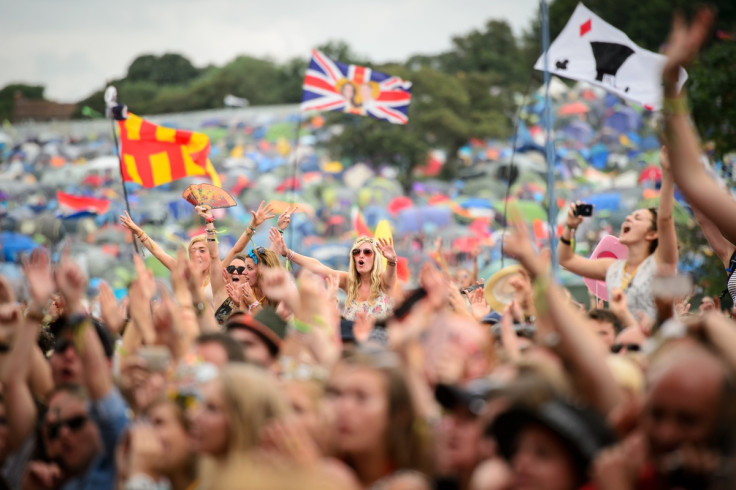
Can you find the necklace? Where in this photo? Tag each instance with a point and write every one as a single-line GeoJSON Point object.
{"type": "Point", "coordinates": [626, 278]}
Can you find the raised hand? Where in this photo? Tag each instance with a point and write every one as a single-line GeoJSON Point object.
{"type": "Point", "coordinates": [478, 304]}
{"type": "Point", "coordinates": [145, 278]}
{"type": "Point", "coordinates": [113, 314]}
{"type": "Point", "coordinates": [285, 218]}
{"type": "Point", "coordinates": [278, 285]}
{"type": "Point", "coordinates": [573, 221]}
{"type": "Point", "coordinates": [519, 244]}
{"type": "Point", "coordinates": [362, 326]}
{"type": "Point", "coordinates": [263, 213]}
{"type": "Point", "coordinates": [128, 222]}
{"type": "Point", "coordinates": [386, 247]}
{"type": "Point", "coordinates": [234, 293]}
{"type": "Point", "coordinates": [277, 242]}
{"type": "Point", "coordinates": [247, 294]}
{"type": "Point", "coordinates": [37, 271]}
{"type": "Point", "coordinates": [71, 282]}
{"type": "Point", "coordinates": [684, 42]}
{"type": "Point", "coordinates": [203, 211]}
{"type": "Point", "coordinates": [437, 290]}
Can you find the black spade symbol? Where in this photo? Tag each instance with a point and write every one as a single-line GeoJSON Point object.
{"type": "Point", "coordinates": [609, 57]}
{"type": "Point", "coordinates": [562, 64]}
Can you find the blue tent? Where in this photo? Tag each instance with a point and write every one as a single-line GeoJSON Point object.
{"type": "Point", "coordinates": [610, 201]}
{"type": "Point", "coordinates": [12, 245]}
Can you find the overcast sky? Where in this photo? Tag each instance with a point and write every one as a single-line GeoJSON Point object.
{"type": "Point", "coordinates": [73, 46]}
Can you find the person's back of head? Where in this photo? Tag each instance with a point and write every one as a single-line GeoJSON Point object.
{"type": "Point", "coordinates": [219, 348]}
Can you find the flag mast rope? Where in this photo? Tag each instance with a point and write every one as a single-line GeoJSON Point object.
{"type": "Point", "coordinates": [549, 145]}
{"type": "Point", "coordinates": [118, 112]}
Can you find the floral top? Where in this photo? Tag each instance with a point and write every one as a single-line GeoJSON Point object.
{"type": "Point", "coordinates": [379, 308]}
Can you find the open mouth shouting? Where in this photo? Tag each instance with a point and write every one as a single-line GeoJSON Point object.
{"type": "Point", "coordinates": [625, 228]}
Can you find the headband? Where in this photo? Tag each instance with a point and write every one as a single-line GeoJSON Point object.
{"type": "Point", "coordinates": [252, 255]}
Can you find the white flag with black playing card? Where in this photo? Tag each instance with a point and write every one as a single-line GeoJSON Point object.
{"type": "Point", "coordinates": [592, 50]}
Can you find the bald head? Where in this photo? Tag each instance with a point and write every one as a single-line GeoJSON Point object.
{"type": "Point", "coordinates": [685, 397]}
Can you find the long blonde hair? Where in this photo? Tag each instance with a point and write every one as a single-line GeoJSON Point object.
{"type": "Point", "coordinates": [354, 277]}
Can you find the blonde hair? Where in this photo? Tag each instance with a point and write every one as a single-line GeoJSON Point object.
{"type": "Point", "coordinates": [252, 400]}
{"type": "Point", "coordinates": [195, 239]}
{"type": "Point", "coordinates": [376, 272]}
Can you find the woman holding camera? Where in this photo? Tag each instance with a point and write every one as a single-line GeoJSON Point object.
{"type": "Point", "coordinates": [648, 234]}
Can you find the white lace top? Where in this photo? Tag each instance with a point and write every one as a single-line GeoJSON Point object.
{"type": "Point", "coordinates": [379, 308]}
{"type": "Point", "coordinates": [638, 289]}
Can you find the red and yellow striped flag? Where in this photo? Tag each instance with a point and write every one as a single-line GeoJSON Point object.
{"type": "Point", "coordinates": [154, 155]}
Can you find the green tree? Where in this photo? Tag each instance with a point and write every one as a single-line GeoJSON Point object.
{"type": "Point", "coordinates": [167, 69]}
{"type": "Point", "coordinates": [7, 97]}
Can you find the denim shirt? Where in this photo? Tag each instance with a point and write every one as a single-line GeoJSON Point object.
{"type": "Point", "coordinates": [109, 413]}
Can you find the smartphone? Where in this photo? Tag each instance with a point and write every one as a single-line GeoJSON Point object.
{"type": "Point", "coordinates": [584, 209]}
{"type": "Point", "coordinates": [678, 286]}
{"type": "Point", "coordinates": [404, 308]}
{"type": "Point", "coordinates": [156, 357]}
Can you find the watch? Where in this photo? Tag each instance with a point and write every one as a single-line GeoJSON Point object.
{"type": "Point", "coordinates": [199, 308]}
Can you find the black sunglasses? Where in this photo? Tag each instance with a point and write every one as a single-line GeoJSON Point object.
{"type": "Point", "coordinates": [73, 423]}
{"type": "Point", "coordinates": [366, 251]}
{"type": "Point", "coordinates": [616, 348]}
{"type": "Point", "coordinates": [231, 269]}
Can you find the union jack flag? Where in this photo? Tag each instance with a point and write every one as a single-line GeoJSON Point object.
{"type": "Point", "coordinates": [333, 86]}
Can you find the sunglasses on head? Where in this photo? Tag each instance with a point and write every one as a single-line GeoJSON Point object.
{"type": "Point", "coordinates": [231, 269]}
{"type": "Point", "coordinates": [616, 348]}
{"type": "Point", "coordinates": [73, 423]}
{"type": "Point", "coordinates": [366, 251]}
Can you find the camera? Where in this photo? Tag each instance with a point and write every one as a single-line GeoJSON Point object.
{"type": "Point", "coordinates": [584, 209]}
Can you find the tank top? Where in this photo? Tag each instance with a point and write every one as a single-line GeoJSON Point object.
{"type": "Point", "coordinates": [379, 308]}
{"type": "Point", "coordinates": [638, 290]}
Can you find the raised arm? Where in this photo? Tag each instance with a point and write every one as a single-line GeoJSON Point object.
{"type": "Point", "coordinates": [578, 346]}
{"type": "Point", "coordinates": [700, 189]}
{"type": "Point", "coordinates": [666, 253]}
{"type": "Point", "coordinates": [388, 278]}
{"type": "Point", "coordinates": [721, 247]}
{"type": "Point", "coordinates": [591, 268]}
{"type": "Point", "coordinates": [216, 277]}
{"type": "Point", "coordinates": [153, 247]}
{"type": "Point", "coordinates": [263, 213]}
{"type": "Point", "coordinates": [311, 264]}
{"type": "Point", "coordinates": [72, 284]}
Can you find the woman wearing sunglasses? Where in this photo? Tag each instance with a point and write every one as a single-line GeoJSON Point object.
{"type": "Point", "coordinates": [235, 285]}
{"type": "Point", "coordinates": [366, 283]}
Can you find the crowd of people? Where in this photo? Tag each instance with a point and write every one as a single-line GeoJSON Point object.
{"type": "Point", "coordinates": [238, 374]}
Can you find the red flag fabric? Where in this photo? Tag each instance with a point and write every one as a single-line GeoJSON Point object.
{"type": "Point", "coordinates": [76, 204]}
{"type": "Point", "coordinates": [153, 155]}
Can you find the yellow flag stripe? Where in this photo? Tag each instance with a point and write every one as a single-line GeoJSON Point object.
{"type": "Point", "coordinates": [213, 174]}
{"type": "Point", "coordinates": [160, 168]}
{"type": "Point", "coordinates": [133, 126]}
{"type": "Point", "coordinates": [132, 169]}
{"type": "Point", "coordinates": [164, 134]}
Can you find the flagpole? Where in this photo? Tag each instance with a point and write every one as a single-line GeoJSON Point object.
{"type": "Point", "coordinates": [549, 146]}
{"type": "Point", "coordinates": [295, 153]}
{"type": "Point", "coordinates": [122, 180]}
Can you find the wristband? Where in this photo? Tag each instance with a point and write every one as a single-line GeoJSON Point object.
{"type": "Point", "coordinates": [290, 255]}
{"type": "Point", "coordinates": [565, 241]}
{"type": "Point", "coordinates": [250, 227]}
{"type": "Point", "coordinates": [280, 230]}
{"type": "Point", "coordinates": [391, 264]}
{"type": "Point", "coordinates": [209, 220]}
{"type": "Point", "coordinates": [676, 106]}
{"type": "Point", "coordinates": [254, 305]}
